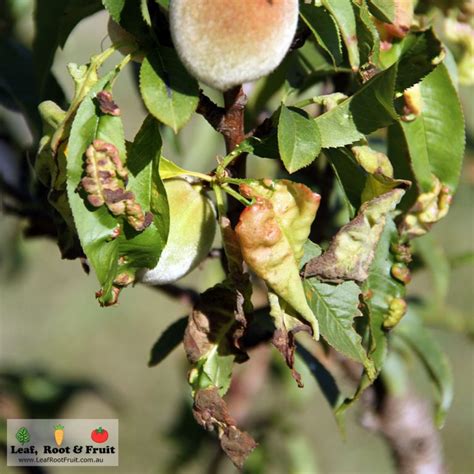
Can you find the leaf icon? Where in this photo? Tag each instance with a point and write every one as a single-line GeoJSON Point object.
{"type": "Point", "coordinates": [23, 435]}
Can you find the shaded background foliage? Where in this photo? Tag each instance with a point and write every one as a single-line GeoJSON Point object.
{"type": "Point", "coordinates": [61, 353]}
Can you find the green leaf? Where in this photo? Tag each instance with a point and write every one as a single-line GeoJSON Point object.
{"type": "Point", "coordinates": [299, 141]}
{"type": "Point", "coordinates": [143, 249]}
{"type": "Point", "coordinates": [23, 435]}
{"type": "Point", "coordinates": [19, 89]}
{"type": "Point", "coordinates": [324, 29]}
{"type": "Point", "coordinates": [169, 92]}
{"type": "Point", "coordinates": [383, 9]}
{"type": "Point", "coordinates": [323, 377]}
{"type": "Point", "coordinates": [372, 106]}
{"type": "Point", "coordinates": [430, 149]}
{"type": "Point", "coordinates": [381, 288]}
{"type": "Point", "coordinates": [436, 261]}
{"type": "Point", "coordinates": [168, 341]}
{"type": "Point", "coordinates": [115, 7]}
{"type": "Point", "coordinates": [336, 307]}
{"type": "Point", "coordinates": [343, 13]}
{"type": "Point", "coordinates": [378, 290]}
{"type": "Point", "coordinates": [75, 12]}
{"type": "Point", "coordinates": [367, 35]}
{"type": "Point", "coordinates": [54, 21]}
{"type": "Point", "coordinates": [419, 338]}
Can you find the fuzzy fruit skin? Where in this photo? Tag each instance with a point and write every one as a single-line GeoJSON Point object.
{"type": "Point", "coordinates": [191, 234]}
{"type": "Point", "coordinates": [225, 43]}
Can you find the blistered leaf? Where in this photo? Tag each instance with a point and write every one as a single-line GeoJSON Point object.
{"type": "Point", "coordinates": [211, 412]}
{"type": "Point", "coordinates": [336, 307]}
{"type": "Point", "coordinates": [211, 337]}
{"type": "Point", "coordinates": [352, 249]}
{"type": "Point", "coordinates": [429, 208]}
{"type": "Point", "coordinates": [97, 230]}
{"type": "Point", "coordinates": [105, 182]}
{"type": "Point", "coordinates": [272, 233]}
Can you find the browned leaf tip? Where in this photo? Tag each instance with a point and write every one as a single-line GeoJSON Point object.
{"type": "Point", "coordinates": [106, 103]}
{"type": "Point", "coordinates": [218, 318]}
{"type": "Point", "coordinates": [284, 341]}
{"type": "Point", "coordinates": [211, 412]}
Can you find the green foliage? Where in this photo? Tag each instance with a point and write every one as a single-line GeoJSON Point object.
{"type": "Point", "coordinates": [322, 117]}
{"type": "Point", "coordinates": [169, 92]}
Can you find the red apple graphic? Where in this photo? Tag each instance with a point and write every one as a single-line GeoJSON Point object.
{"type": "Point", "coordinates": [99, 435]}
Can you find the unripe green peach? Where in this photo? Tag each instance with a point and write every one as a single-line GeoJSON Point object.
{"type": "Point", "coordinates": [225, 43]}
{"type": "Point", "coordinates": [191, 233]}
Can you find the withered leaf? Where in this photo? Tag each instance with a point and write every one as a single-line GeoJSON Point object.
{"type": "Point", "coordinates": [286, 326]}
{"type": "Point", "coordinates": [352, 250]}
{"type": "Point", "coordinates": [105, 181]}
{"type": "Point", "coordinates": [211, 339]}
{"type": "Point", "coordinates": [107, 104]}
{"type": "Point", "coordinates": [211, 412]}
{"type": "Point", "coordinates": [272, 233]}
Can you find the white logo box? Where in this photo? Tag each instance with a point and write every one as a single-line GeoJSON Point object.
{"type": "Point", "coordinates": [79, 447]}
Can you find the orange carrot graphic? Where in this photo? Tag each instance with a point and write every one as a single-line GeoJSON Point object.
{"type": "Point", "coordinates": [59, 434]}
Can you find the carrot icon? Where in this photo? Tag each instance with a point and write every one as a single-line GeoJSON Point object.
{"type": "Point", "coordinates": [59, 434]}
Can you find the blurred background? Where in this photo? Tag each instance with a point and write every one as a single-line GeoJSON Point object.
{"type": "Point", "coordinates": [63, 356]}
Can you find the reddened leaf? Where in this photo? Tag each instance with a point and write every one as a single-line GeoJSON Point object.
{"type": "Point", "coordinates": [272, 233]}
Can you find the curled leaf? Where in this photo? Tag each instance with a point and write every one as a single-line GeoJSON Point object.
{"type": "Point", "coordinates": [429, 208]}
{"type": "Point", "coordinates": [352, 249]}
{"type": "Point", "coordinates": [272, 233]}
{"type": "Point", "coordinates": [287, 325]}
{"type": "Point", "coordinates": [211, 340]}
{"type": "Point", "coordinates": [105, 182]}
{"type": "Point", "coordinates": [211, 412]}
{"type": "Point", "coordinates": [107, 104]}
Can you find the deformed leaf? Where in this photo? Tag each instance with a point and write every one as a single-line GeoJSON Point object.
{"type": "Point", "coordinates": [105, 182]}
{"type": "Point", "coordinates": [287, 325]}
{"type": "Point", "coordinates": [211, 338]}
{"type": "Point", "coordinates": [212, 413]}
{"type": "Point", "coordinates": [429, 208]}
{"type": "Point", "coordinates": [378, 291]}
{"type": "Point", "coordinates": [272, 233]}
{"type": "Point", "coordinates": [352, 250]}
{"type": "Point", "coordinates": [336, 307]}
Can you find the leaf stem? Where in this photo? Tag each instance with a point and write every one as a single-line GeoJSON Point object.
{"type": "Point", "coordinates": [235, 195]}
